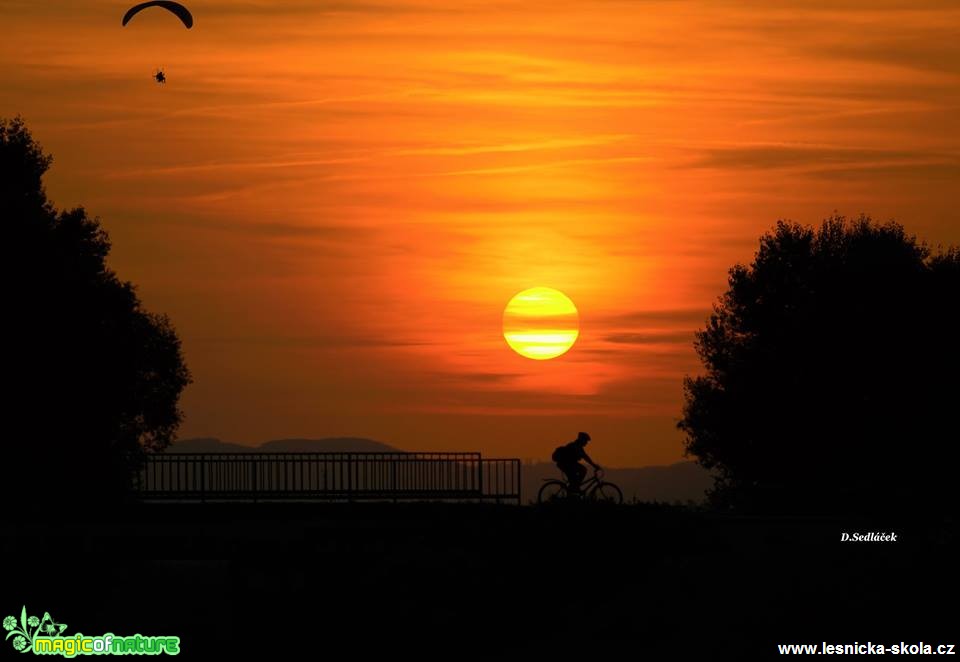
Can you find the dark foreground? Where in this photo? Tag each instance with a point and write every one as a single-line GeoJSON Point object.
{"type": "Point", "coordinates": [461, 581]}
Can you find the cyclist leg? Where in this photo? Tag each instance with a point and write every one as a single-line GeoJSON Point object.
{"type": "Point", "coordinates": [569, 470]}
{"type": "Point", "coordinates": [580, 472]}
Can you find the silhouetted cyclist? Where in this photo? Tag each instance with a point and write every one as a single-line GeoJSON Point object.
{"type": "Point", "coordinates": [568, 459]}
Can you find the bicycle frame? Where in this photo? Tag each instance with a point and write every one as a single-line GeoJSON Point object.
{"type": "Point", "coordinates": [586, 485]}
{"type": "Point", "coordinates": [587, 490]}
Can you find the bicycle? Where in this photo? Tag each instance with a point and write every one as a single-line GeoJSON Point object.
{"type": "Point", "coordinates": [592, 489]}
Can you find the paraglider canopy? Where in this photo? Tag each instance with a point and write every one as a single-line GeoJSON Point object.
{"type": "Point", "coordinates": [175, 7]}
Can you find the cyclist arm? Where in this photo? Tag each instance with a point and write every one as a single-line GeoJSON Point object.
{"type": "Point", "coordinates": [591, 462]}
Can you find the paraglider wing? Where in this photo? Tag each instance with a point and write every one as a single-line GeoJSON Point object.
{"type": "Point", "coordinates": [181, 12]}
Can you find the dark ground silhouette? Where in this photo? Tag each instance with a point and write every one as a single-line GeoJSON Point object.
{"type": "Point", "coordinates": [463, 581]}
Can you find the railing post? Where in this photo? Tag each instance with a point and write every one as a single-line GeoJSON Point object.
{"type": "Point", "coordinates": [349, 477]}
{"type": "Point", "coordinates": [253, 478]}
{"type": "Point", "coordinates": [519, 484]}
{"type": "Point", "coordinates": [480, 477]}
{"type": "Point", "coordinates": [394, 484]}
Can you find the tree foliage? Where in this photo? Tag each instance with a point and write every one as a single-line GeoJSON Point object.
{"type": "Point", "coordinates": [831, 367]}
{"type": "Point", "coordinates": [93, 379]}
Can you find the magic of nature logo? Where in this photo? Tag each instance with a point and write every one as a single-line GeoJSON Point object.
{"type": "Point", "coordinates": [44, 636]}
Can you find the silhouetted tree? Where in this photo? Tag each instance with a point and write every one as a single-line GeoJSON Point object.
{"type": "Point", "coordinates": [832, 374]}
{"type": "Point", "coordinates": [91, 379]}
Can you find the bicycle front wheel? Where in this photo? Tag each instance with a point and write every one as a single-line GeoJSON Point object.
{"type": "Point", "coordinates": [552, 492]}
{"type": "Point", "coordinates": [606, 493]}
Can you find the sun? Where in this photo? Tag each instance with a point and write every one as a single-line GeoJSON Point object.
{"type": "Point", "coordinates": [540, 323]}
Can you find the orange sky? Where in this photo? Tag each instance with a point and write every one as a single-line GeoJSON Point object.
{"type": "Point", "coordinates": [335, 200]}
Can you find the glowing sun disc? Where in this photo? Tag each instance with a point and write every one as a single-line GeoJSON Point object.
{"type": "Point", "coordinates": [540, 323]}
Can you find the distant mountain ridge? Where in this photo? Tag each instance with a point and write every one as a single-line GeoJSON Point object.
{"type": "Point", "coordinates": [682, 481]}
{"type": "Point", "coordinates": [327, 445]}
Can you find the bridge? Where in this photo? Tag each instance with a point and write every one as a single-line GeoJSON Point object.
{"type": "Point", "coordinates": [329, 477]}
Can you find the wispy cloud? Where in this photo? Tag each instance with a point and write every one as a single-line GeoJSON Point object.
{"type": "Point", "coordinates": [810, 157]}
{"type": "Point", "coordinates": [650, 338]}
{"type": "Point", "coordinates": [335, 200]}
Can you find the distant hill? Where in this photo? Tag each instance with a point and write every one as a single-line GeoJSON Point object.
{"type": "Point", "coordinates": [330, 445]}
{"type": "Point", "coordinates": [683, 481]}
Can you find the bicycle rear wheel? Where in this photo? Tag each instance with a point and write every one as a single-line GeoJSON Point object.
{"type": "Point", "coordinates": [552, 491]}
{"type": "Point", "coordinates": [606, 493]}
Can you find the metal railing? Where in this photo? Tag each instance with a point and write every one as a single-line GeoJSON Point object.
{"type": "Point", "coordinates": [500, 479]}
{"type": "Point", "coordinates": [328, 476]}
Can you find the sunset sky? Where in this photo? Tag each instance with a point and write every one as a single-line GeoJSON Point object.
{"type": "Point", "coordinates": [334, 201]}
